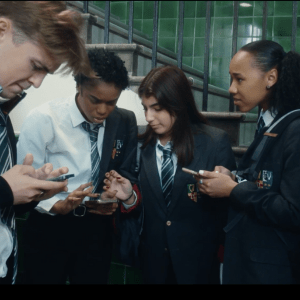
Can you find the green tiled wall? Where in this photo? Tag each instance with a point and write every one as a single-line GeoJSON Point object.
{"type": "Point", "coordinates": [279, 28]}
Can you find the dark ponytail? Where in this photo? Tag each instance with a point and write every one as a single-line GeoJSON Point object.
{"type": "Point", "coordinates": [287, 89]}
{"type": "Point", "coordinates": [285, 94]}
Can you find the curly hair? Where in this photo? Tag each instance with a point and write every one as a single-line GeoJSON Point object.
{"type": "Point", "coordinates": [108, 66]}
{"type": "Point", "coordinates": [285, 93]}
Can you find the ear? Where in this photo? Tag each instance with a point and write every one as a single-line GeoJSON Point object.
{"type": "Point", "coordinates": [272, 77]}
{"type": "Point", "coordinates": [5, 26]}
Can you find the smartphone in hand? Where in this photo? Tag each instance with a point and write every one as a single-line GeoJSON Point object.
{"type": "Point", "coordinates": [190, 172]}
{"type": "Point", "coordinates": [60, 178]}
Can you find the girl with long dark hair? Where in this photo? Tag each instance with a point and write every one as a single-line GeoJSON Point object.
{"type": "Point", "coordinates": [182, 229]}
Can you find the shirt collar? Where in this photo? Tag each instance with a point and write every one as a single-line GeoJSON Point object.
{"type": "Point", "coordinates": [76, 117]}
{"type": "Point", "coordinates": [168, 145]}
{"type": "Point", "coordinates": [268, 116]}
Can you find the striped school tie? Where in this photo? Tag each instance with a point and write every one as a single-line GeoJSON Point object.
{"type": "Point", "coordinates": [7, 214]}
{"type": "Point", "coordinates": [95, 158]}
{"type": "Point", "coordinates": [167, 173]}
{"type": "Point", "coordinates": [260, 125]}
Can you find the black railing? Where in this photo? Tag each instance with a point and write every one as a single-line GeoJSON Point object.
{"type": "Point", "coordinates": [265, 16]}
{"type": "Point", "coordinates": [206, 56]}
{"type": "Point", "coordinates": [130, 23]}
{"type": "Point", "coordinates": [207, 35]}
{"type": "Point", "coordinates": [155, 34]}
{"type": "Point", "coordinates": [234, 41]}
{"type": "Point", "coordinates": [294, 25]}
{"type": "Point", "coordinates": [180, 34]}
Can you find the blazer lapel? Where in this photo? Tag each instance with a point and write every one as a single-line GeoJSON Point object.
{"type": "Point", "coordinates": [181, 178]}
{"type": "Point", "coordinates": [149, 161]}
{"type": "Point", "coordinates": [112, 123]}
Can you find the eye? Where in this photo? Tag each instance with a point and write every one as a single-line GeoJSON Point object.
{"type": "Point", "coordinates": [36, 67]}
{"type": "Point", "coordinates": [239, 80]}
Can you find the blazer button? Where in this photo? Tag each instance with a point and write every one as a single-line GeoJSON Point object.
{"type": "Point", "coordinates": [169, 223]}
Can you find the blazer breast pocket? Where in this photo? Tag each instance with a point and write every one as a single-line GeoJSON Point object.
{"type": "Point", "coordinates": [269, 256]}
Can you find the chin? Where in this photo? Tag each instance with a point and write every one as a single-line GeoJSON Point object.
{"type": "Point", "coordinates": [243, 109]}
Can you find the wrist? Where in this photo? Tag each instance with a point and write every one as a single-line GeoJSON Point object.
{"type": "Point", "coordinates": [232, 186]}
{"type": "Point", "coordinates": [129, 200]}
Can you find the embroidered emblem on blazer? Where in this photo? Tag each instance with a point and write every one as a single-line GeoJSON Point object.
{"type": "Point", "coordinates": [192, 193]}
{"type": "Point", "coordinates": [265, 179]}
{"type": "Point", "coordinates": [116, 149]}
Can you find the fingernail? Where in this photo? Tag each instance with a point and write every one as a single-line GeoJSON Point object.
{"type": "Point", "coordinates": [118, 177]}
{"type": "Point", "coordinates": [201, 172]}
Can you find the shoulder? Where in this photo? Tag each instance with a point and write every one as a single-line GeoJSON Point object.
{"type": "Point", "coordinates": [209, 132]}
{"type": "Point", "coordinates": [51, 108]}
{"type": "Point", "coordinates": [48, 113]}
{"type": "Point", "coordinates": [125, 113]}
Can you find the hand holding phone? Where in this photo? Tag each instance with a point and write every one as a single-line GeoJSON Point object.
{"type": "Point", "coordinates": [61, 178]}
{"type": "Point", "coordinates": [190, 172]}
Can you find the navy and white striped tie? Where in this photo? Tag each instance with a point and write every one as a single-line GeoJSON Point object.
{"type": "Point", "coordinates": [7, 214]}
{"type": "Point", "coordinates": [167, 173]}
{"type": "Point", "coordinates": [95, 158]}
{"type": "Point", "coordinates": [260, 125]}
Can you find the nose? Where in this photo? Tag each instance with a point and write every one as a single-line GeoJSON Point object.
{"type": "Point", "coordinates": [149, 116]}
{"type": "Point", "coordinates": [232, 88]}
{"type": "Point", "coordinates": [101, 109]}
{"type": "Point", "coordinates": [37, 78]}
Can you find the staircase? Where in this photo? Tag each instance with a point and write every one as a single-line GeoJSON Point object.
{"type": "Point", "coordinates": [137, 58]}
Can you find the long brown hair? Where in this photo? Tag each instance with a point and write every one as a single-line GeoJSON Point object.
{"type": "Point", "coordinates": [170, 87]}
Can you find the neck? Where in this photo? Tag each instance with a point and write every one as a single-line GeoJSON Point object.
{"type": "Point", "coordinates": [163, 140]}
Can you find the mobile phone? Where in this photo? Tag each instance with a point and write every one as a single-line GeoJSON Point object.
{"type": "Point", "coordinates": [100, 201]}
{"type": "Point", "coordinates": [61, 178]}
{"type": "Point", "coordinates": [190, 171]}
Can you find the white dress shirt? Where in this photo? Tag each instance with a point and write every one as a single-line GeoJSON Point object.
{"type": "Point", "coordinates": [53, 133]}
{"type": "Point", "coordinates": [268, 117]}
{"type": "Point", "coordinates": [159, 158]}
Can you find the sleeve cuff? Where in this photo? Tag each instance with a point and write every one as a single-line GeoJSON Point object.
{"type": "Point", "coordinates": [130, 205]}
{"type": "Point", "coordinates": [7, 197]}
{"type": "Point", "coordinates": [138, 198]}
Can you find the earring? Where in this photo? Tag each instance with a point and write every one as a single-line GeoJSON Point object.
{"type": "Point", "coordinates": [268, 87]}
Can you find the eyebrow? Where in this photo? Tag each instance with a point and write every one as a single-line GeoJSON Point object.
{"type": "Point", "coordinates": [235, 73]}
{"type": "Point", "coordinates": [95, 98]}
{"type": "Point", "coordinates": [152, 105]}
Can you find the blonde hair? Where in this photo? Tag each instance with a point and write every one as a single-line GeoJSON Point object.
{"type": "Point", "coordinates": [53, 27]}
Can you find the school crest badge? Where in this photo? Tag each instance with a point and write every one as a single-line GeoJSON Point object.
{"type": "Point", "coordinates": [265, 179]}
{"type": "Point", "coordinates": [192, 193]}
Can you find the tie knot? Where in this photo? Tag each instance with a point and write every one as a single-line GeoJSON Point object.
{"type": "Point", "coordinates": [92, 131]}
{"type": "Point", "coordinates": [167, 152]}
{"type": "Point", "coordinates": [86, 126]}
{"type": "Point", "coordinates": [260, 124]}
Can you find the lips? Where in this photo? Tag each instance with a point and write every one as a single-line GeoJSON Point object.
{"type": "Point", "coordinates": [96, 120]}
{"type": "Point", "coordinates": [153, 125]}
